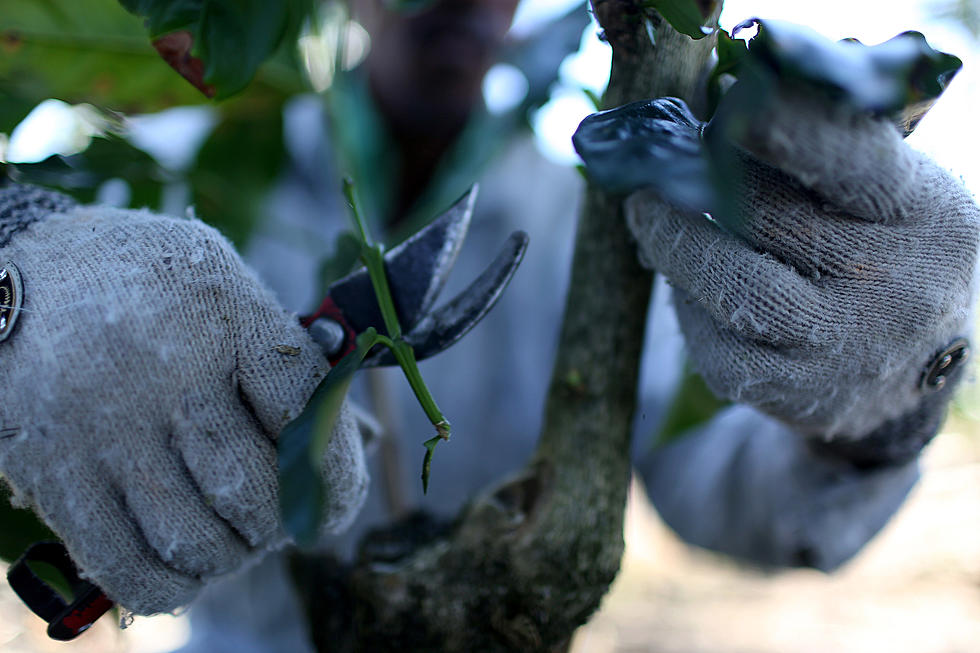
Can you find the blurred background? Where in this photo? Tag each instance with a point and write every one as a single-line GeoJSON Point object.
{"type": "Point", "coordinates": [915, 588]}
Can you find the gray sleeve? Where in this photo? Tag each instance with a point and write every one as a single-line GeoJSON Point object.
{"type": "Point", "coordinates": [747, 486]}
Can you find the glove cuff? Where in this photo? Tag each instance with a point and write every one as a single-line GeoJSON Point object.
{"type": "Point", "coordinates": [21, 206]}
{"type": "Point", "coordinates": [898, 440]}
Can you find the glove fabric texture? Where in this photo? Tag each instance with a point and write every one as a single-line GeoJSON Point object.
{"type": "Point", "coordinates": [850, 265]}
{"type": "Point", "coordinates": [144, 387]}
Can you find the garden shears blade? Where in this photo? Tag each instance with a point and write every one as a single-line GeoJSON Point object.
{"type": "Point", "coordinates": [416, 271]}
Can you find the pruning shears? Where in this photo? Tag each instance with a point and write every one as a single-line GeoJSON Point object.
{"type": "Point", "coordinates": [417, 271]}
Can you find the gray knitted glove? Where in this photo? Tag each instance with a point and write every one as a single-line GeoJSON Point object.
{"type": "Point", "coordinates": [851, 266]}
{"type": "Point", "coordinates": [144, 386]}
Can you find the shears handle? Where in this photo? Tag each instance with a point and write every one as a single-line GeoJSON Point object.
{"type": "Point", "coordinates": [66, 621]}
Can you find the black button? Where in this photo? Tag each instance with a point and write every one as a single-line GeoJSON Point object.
{"type": "Point", "coordinates": [944, 364]}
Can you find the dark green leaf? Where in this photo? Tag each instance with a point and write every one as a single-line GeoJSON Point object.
{"type": "Point", "coordinates": [164, 17]}
{"type": "Point", "coordinates": [235, 37]}
{"type": "Point", "coordinates": [901, 77]}
{"type": "Point", "coordinates": [408, 5]}
{"type": "Point", "coordinates": [693, 405]}
{"type": "Point", "coordinates": [731, 54]}
{"type": "Point", "coordinates": [19, 528]}
{"type": "Point", "coordinates": [346, 253]}
{"type": "Point", "coordinates": [649, 144]}
{"type": "Point", "coordinates": [230, 38]}
{"type": "Point", "coordinates": [237, 165]}
{"type": "Point", "coordinates": [683, 15]}
{"type": "Point", "coordinates": [302, 444]}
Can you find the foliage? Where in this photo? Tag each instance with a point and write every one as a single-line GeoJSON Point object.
{"type": "Point", "coordinates": [81, 51]}
{"type": "Point", "coordinates": [231, 39]}
{"type": "Point", "coordinates": [686, 16]}
{"type": "Point", "coordinates": [21, 528]}
{"type": "Point", "coordinates": [302, 443]}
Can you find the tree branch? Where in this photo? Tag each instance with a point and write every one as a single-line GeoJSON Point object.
{"type": "Point", "coordinates": [529, 561]}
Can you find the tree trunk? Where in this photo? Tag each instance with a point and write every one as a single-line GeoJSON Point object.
{"type": "Point", "coordinates": [529, 561]}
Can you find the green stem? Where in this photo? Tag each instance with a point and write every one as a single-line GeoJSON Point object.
{"type": "Point", "coordinates": [372, 255]}
{"type": "Point", "coordinates": [351, 197]}
{"type": "Point", "coordinates": [405, 356]}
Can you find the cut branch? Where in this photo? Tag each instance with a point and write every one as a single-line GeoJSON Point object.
{"type": "Point", "coordinates": [529, 561]}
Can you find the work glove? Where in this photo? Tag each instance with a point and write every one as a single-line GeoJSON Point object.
{"type": "Point", "coordinates": [835, 295]}
{"type": "Point", "coordinates": [145, 382]}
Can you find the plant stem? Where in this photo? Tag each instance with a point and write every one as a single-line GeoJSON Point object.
{"type": "Point", "coordinates": [372, 255]}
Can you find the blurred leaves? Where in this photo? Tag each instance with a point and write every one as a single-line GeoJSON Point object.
{"type": "Point", "coordinates": [685, 16]}
{"type": "Point", "coordinates": [965, 13]}
{"type": "Point", "coordinates": [731, 53]}
{"type": "Point", "coordinates": [303, 442]}
{"type": "Point", "coordinates": [346, 254]}
{"type": "Point", "coordinates": [108, 157]}
{"type": "Point", "coordinates": [540, 56]}
{"type": "Point", "coordinates": [237, 165]}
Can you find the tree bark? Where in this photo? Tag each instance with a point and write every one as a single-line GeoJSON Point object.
{"type": "Point", "coordinates": [528, 562]}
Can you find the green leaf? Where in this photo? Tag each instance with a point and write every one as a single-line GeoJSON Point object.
{"type": "Point", "coordinates": [346, 253]}
{"type": "Point", "coordinates": [648, 144]}
{"type": "Point", "coordinates": [731, 53]}
{"type": "Point", "coordinates": [693, 405]}
{"type": "Point", "coordinates": [683, 15]}
{"type": "Point", "coordinates": [901, 77]}
{"type": "Point", "coordinates": [302, 444]}
{"type": "Point", "coordinates": [81, 51]}
{"type": "Point", "coordinates": [19, 528]}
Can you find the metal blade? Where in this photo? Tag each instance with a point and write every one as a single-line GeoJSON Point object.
{"type": "Point", "coordinates": [447, 324]}
{"type": "Point", "coordinates": [416, 269]}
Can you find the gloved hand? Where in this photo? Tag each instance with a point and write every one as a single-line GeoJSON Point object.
{"type": "Point", "coordinates": [144, 386]}
{"type": "Point", "coordinates": [849, 267]}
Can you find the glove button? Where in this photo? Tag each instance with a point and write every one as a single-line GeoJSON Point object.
{"type": "Point", "coordinates": [944, 364]}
